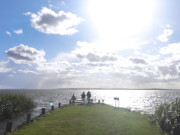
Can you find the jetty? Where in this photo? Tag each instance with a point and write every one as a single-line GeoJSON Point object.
{"type": "Point", "coordinates": [89, 119]}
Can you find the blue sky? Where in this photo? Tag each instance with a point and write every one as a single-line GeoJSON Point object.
{"type": "Point", "coordinates": [76, 43]}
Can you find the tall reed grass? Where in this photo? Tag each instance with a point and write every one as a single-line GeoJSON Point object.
{"type": "Point", "coordinates": [168, 117]}
{"type": "Point", "coordinates": [13, 105]}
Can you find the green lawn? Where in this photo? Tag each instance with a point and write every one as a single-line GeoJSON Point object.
{"type": "Point", "coordinates": [95, 119]}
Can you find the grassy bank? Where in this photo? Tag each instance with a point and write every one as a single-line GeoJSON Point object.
{"type": "Point", "coordinates": [13, 105]}
{"type": "Point", "coordinates": [90, 120]}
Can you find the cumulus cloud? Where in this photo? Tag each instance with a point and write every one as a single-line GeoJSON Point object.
{"type": "Point", "coordinates": [167, 32]}
{"type": "Point", "coordinates": [23, 53]}
{"type": "Point", "coordinates": [168, 70]}
{"type": "Point", "coordinates": [50, 22]}
{"type": "Point", "coordinates": [18, 32]}
{"type": "Point", "coordinates": [93, 53]}
{"type": "Point", "coordinates": [92, 57]}
{"type": "Point", "coordinates": [84, 67]}
{"type": "Point", "coordinates": [137, 60]}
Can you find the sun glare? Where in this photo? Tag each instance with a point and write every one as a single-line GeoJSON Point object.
{"type": "Point", "coordinates": [119, 20]}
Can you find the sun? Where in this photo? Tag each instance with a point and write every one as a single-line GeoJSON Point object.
{"type": "Point", "coordinates": [120, 20]}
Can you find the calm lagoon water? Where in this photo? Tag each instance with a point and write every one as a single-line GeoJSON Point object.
{"type": "Point", "coordinates": [136, 100]}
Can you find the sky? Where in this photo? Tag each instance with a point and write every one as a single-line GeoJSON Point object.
{"type": "Point", "coordinates": [49, 44]}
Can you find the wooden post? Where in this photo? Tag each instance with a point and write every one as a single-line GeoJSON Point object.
{"type": "Point", "coordinates": [118, 103]}
{"type": "Point", "coordinates": [9, 127]}
{"type": "Point", "coordinates": [43, 111]}
{"type": "Point", "coordinates": [28, 118]}
{"type": "Point", "coordinates": [52, 108]}
{"type": "Point", "coordinates": [59, 105]}
{"type": "Point", "coordinates": [115, 101]}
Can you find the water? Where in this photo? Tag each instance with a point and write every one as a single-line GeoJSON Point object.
{"type": "Point", "coordinates": [136, 100]}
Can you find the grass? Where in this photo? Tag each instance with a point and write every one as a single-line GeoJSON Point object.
{"type": "Point", "coordinates": [90, 120]}
{"type": "Point", "coordinates": [13, 105]}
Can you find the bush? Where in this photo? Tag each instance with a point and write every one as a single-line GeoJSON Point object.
{"type": "Point", "coordinates": [12, 105]}
{"type": "Point", "coordinates": [168, 117]}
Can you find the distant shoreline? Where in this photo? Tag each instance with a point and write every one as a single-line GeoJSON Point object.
{"type": "Point", "coordinates": [97, 89]}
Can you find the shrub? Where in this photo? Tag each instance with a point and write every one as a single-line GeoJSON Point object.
{"type": "Point", "coordinates": [12, 105]}
{"type": "Point", "coordinates": [168, 117]}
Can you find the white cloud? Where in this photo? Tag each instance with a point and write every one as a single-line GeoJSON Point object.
{"type": "Point", "coordinates": [8, 33]}
{"type": "Point", "coordinates": [23, 53]}
{"type": "Point", "coordinates": [19, 31]}
{"type": "Point", "coordinates": [50, 22]}
{"type": "Point", "coordinates": [91, 67]}
{"type": "Point", "coordinates": [3, 70]}
{"type": "Point", "coordinates": [27, 13]}
{"type": "Point", "coordinates": [167, 32]}
{"type": "Point", "coordinates": [172, 49]}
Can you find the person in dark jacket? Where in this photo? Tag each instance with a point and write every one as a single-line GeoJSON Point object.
{"type": "Point", "coordinates": [89, 95]}
{"type": "Point", "coordinates": [83, 96]}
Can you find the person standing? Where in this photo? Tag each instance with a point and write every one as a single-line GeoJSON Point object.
{"type": "Point", "coordinates": [83, 96]}
{"type": "Point", "coordinates": [89, 95]}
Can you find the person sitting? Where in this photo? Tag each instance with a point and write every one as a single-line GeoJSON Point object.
{"type": "Point", "coordinates": [73, 98]}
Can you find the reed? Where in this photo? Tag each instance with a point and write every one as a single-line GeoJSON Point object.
{"type": "Point", "coordinates": [168, 117]}
{"type": "Point", "coordinates": [13, 105]}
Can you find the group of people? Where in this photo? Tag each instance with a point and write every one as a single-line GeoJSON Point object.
{"type": "Point", "coordinates": [83, 96]}
{"type": "Point", "coordinates": [88, 95]}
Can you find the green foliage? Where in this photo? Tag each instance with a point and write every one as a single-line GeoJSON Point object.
{"type": "Point", "coordinates": [12, 105]}
{"type": "Point", "coordinates": [168, 117]}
